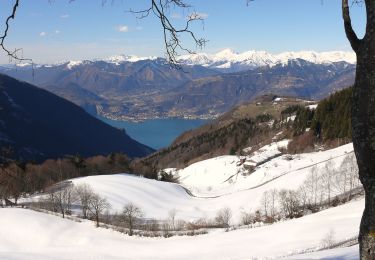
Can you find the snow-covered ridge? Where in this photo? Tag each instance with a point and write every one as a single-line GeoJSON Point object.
{"type": "Point", "coordinates": [228, 58]}
{"type": "Point", "coordinates": [118, 59]}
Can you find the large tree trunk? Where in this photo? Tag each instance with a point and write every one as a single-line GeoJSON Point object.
{"type": "Point", "coordinates": [363, 122]}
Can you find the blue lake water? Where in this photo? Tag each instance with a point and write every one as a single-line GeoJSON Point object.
{"type": "Point", "coordinates": [156, 133]}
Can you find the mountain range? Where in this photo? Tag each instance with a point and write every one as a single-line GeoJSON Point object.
{"type": "Point", "coordinates": [207, 85]}
{"type": "Point", "coordinates": [225, 60]}
{"type": "Point", "coordinates": [229, 61]}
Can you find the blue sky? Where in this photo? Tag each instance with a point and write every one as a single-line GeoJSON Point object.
{"type": "Point", "coordinates": [50, 31]}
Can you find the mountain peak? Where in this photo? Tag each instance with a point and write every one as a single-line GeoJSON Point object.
{"type": "Point", "coordinates": [117, 59]}
{"type": "Point", "coordinates": [226, 53]}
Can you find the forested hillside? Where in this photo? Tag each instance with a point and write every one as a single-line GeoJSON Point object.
{"type": "Point", "coordinates": [39, 125]}
{"type": "Point", "coordinates": [330, 120]}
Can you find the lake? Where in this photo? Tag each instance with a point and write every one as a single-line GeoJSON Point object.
{"type": "Point", "coordinates": [156, 133]}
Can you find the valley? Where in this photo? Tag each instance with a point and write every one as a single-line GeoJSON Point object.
{"type": "Point", "coordinates": [128, 88]}
{"type": "Point", "coordinates": [187, 130]}
{"type": "Point", "coordinates": [221, 190]}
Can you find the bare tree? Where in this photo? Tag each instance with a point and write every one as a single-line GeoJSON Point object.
{"type": "Point", "coordinates": [49, 202]}
{"type": "Point", "coordinates": [12, 182]}
{"type": "Point", "coordinates": [265, 203]}
{"type": "Point", "coordinates": [268, 203]}
{"type": "Point", "coordinates": [247, 218]}
{"type": "Point", "coordinates": [63, 199]}
{"type": "Point", "coordinates": [354, 180]}
{"type": "Point", "coordinates": [289, 203]}
{"type": "Point", "coordinates": [172, 218]}
{"type": "Point", "coordinates": [303, 197]}
{"type": "Point", "coordinates": [84, 194]}
{"type": "Point", "coordinates": [329, 239]}
{"type": "Point", "coordinates": [97, 206]}
{"type": "Point", "coordinates": [327, 179]}
{"type": "Point", "coordinates": [312, 187]}
{"type": "Point", "coordinates": [130, 214]}
{"type": "Point", "coordinates": [341, 178]}
{"type": "Point", "coordinates": [347, 179]}
{"type": "Point", "coordinates": [223, 217]}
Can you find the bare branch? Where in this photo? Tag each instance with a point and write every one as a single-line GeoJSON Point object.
{"type": "Point", "coordinates": [171, 34]}
{"type": "Point", "coordinates": [13, 55]}
{"type": "Point", "coordinates": [350, 33]}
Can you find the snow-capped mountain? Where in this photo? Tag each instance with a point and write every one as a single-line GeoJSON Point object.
{"type": "Point", "coordinates": [226, 60]}
{"type": "Point", "coordinates": [232, 61]}
{"type": "Point", "coordinates": [118, 59]}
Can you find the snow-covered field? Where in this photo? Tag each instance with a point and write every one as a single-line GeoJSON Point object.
{"type": "Point", "coordinates": [27, 234]}
{"type": "Point", "coordinates": [214, 184]}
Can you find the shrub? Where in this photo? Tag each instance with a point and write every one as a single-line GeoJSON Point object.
{"type": "Point", "coordinates": [302, 143]}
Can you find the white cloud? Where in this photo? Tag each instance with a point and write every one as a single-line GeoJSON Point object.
{"type": "Point", "coordinates": [42, 34]}
{"type": "Point", "coordinates": [122, 28]}
{"type": "Point", "coordinates": [64, 16]}
{"type": "Point", "coordinates": [57, 32]}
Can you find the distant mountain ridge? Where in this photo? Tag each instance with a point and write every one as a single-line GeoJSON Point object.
{"type": "Point", "coordinates": [137, 88]}
{"type": "Point", "coordinates": [225, 60]}
{"type": "Point", "coordinates": [218, 94]}
{"type": "Point", "coordinates": [39, 125]}
{"type": "Point", "coordinates": [229, 61]}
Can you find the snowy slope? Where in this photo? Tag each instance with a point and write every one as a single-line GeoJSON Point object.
{"type": "Point", "coordinates": [226, 174]}
{"type": "Point", "coordinates": [346, 253]}
{"type": "Point", "coordinates": [31, 235]}
{"type": "Point", "coordinates": [209, 183]}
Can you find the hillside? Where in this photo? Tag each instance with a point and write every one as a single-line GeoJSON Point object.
{"type": "Point", "coordinates": [118, 90]}
{"type": "Point", "coordinates": [247, 125]}
{"type": "Point", "coordinates": [213, 184]}
{"type": "Point", "coordinates": [219, 94]}
{"type": "Point", "coordinates": [40, 236]}
{"type": "Point", "coordinates": [210, 190]}
{"type": "Point", "coordinates": [38, 125]}
{"type": "Point", "coordinates": [309, 124]}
